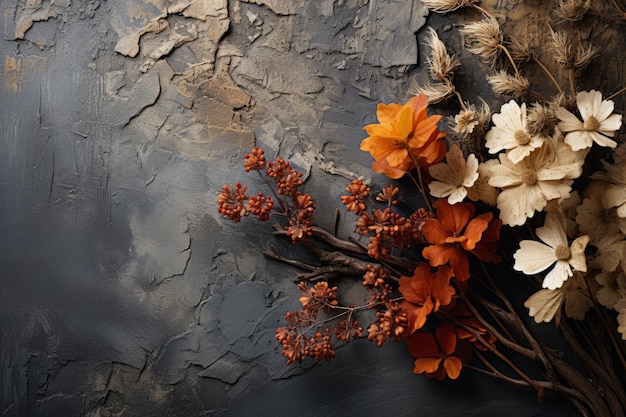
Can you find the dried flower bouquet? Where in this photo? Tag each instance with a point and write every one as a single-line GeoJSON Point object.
{"type": "Point", "coordinates": [548, 169]}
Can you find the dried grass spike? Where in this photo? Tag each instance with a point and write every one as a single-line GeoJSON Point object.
{"type": "Point", "coordinates": [510, 85]}
{"type": "Point", "coordinates": [572, 10]}
{"type": "Point", "coordinates": [541, 120]}
{"type": "Point", "coordinates": [436, 92]}
{"type": "Point", "coordinates": [445, 6]}
{"type": "Point", "coordinates": [483, 38]}
{"type": "Point", "coordinates": [441, 64]}
{"type": "Point", "coordinates": [562, 49]}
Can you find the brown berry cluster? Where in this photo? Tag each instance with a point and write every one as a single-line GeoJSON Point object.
{"type": "Point", "coordinates": [392, 324]}
{"type": "Point", "coordinates": [294, 338]}
{"type": "Point", "coordinates": [294, 205]}
{"type": "Point", "coordinates": [387, 229]}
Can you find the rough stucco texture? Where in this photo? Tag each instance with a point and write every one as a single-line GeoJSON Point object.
{"type": "Point", "coordinates": [122, 291]}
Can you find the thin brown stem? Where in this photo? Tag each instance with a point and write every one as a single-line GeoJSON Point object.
{"type": "Point", "coordinates": [548, 73]}
{"type": "Point", "coordinates": [612, 96]}
{"type": "Point", "coordinates": [510, 58]}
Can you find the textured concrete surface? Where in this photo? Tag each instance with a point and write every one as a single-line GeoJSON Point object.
{"type": "Point", "coordinates": [122, 291]}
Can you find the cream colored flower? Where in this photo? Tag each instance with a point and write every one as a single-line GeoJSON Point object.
{"type": "Point", "coordinates": [509, 132]}
{"type": "Point", "coordinates": [612, 287]}
{"type": "Point", "coordinates": [533, 257]}
{"type": "Point", "coordinates": [592, 215]}
{"type": "Point", "coordinates": [545, 304]}
{"type": "Point", "coordinates": [481, 190]}
{"type": "Point", "coordinates": [599, 122]}
{"type": "Point", "coordinates": [620, 307]}
{"type": "Point", "coordinates": [609, 248]}
{"type": "Point", "coordinates": [614, 195]}
{"type": "Point", "coordinates": [529, 185]}
{"type": "Point", "coordinates": [454, 176]}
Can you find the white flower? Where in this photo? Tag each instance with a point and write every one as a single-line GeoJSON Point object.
{"type": "Point", "coordinates": [533, 257]}
{"type": "Point", "coordinates": [613, 285]}
{"type": "Point", "coordinates": [481, 190]}
{"type": "Point", "coordinates": [620, 307]}
{"type": "Point", "coordinates": [528, 186]}
{"type": "Point", "coordinates": [454, 177]}
{"type": "Point", "coordinates": [599, 123]}
{"type": "Point", "coordinates": [591, 214]}
{"type": "Point", "coordinates": [545, 304]}
{"type": "Point", "coordinates": [510, 133]}
{"type": "Point", "coordinates": [609, 248]}
{"type": "Point", "coordinates": [615, 194]}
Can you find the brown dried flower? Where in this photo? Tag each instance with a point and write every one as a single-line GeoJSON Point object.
{"type": "Point", "coordinates": [445, 6]}
{"type": "Point", "coordinates": [318, 297]}
{"type": "Point", "coordinates": [572, 10]}
{"type": "Point", "coordinates": [441, 64]}
{"type": "Point", "coordinates": [471, 117]}
{"type": "Point", "coordinates": [388, 194]}
{"type": "Point", "coordinates": [392, 324]}
{"type": "Point", "coordinates": [436, 92]}
{"type": "Point", "coordinates": [347, 330]}
{"type": "Point", "coordinates": [484, 38]}
{"type": "Point", "coordinates": [541, 120]}
{"type": "Point", "coordinates": [260, 206]}
{"type": "Point", "coordinates": [506, 84]}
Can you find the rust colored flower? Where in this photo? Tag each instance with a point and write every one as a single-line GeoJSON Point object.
{"type": "Point", "coordinates": [299, 227]}
{"type": "Point", "coordinates": [231, 202]}
{"type": "Point", "coordinates": [424, 293]}
{"type": "Point", "coordinates": [287, 179]}
{"type": "Point", "coordinates": [319, 297]}
{"type": "Point", "coordinates": [469, 328]}
{"type": "Point", "coordinates": [404, 133]}
{"type": "Point", "coordinates": [355, 202]}
{"type": "Point", "coordinates": [260, 206]}
{"type": "Point", "coordinates": [347, 330]}
{"type": "Point", "coordinates": [455, 233]}
{"type": "Point", "coordinates": [440, 355]}
{"type": "Point", "coordinates": [392, 324]}
{"type": "Point", "coordinates": [254, 161]}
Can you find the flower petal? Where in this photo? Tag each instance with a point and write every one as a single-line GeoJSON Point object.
{"type": "Point", "coordinates": [533, 257]}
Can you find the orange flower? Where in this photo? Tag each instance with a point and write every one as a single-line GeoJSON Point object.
{"type": "Point", "coordinates": [424, 293]}
{"type": "Point", "coordinates": [438, 357]}
{"type": "Point", "coordinates": [455, 233]}
{"type": "Point", "coordinates": [404, 132]}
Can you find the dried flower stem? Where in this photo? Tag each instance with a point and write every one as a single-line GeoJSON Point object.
{"type": "Point", "coordinates": [548, 73]}
{"type": "Point", "coordinates": [620, 91]}
{"type": "Point", "coordinates": [511, 60]}
{"type": "Point", "coordinates": [419, 183]}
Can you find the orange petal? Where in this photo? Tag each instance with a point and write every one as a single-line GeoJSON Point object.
{"type": "Point", "coordinates": [422, 345]}
{"type": "Point", "coordinates": [459, 263]}
{"type": "Point", "coordinates": [446, 337]}
{"type": "Point", "coordinates": [474, 230]}
{"type": "Point", "coordinates": [438, 255]}
{"type": "Point", "coordinates": [387, 113]}
{"type": "Point", "coordinates": [434, 232]}
{"type": "Point", "coordinates": [453, 366]}
{"type": "Point", "coordinates": [428, 365]}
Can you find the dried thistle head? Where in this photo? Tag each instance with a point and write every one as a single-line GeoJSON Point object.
{"type": "Point", "coordinates": [510, 85]}
{"type": "Point", "coordinates": [483, 38]}
{"type": "Point", "coordinates": [436, 92]}
{"type": "Point", "coordinates": [585, 53]}
{"type": "Point", "coordinates": [445, 6]}
{"type": "Point", "coordinates": [441, 65]}
{"type": "Point", "coordinates": [567, 101]}
{"type": "Point", "coordinates": [473, 117]}
{"type": "Point", "coordinates": [561, 46]}
{"type": "Point", "coordinates": [520, 50]}
{"type": "Point", "coordinates": [572, 10]}
{"type": "Point", "coordinates": [541, 120]}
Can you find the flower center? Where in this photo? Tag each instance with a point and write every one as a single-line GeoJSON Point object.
{"type": "Point", "coordinates": [529, 177]}
{"type": "Point", "coordinates": [562, 252]}
{"type": "Point", "coordinates": [591, 124]}
{"type": "Point", "coordinates": [522, 137]}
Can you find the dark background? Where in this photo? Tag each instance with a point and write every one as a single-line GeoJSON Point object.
{"type": "Point", "coordinates": [123, 292]}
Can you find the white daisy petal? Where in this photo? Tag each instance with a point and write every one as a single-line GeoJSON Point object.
{"type": "Point", "coordinates": [533, 257]}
